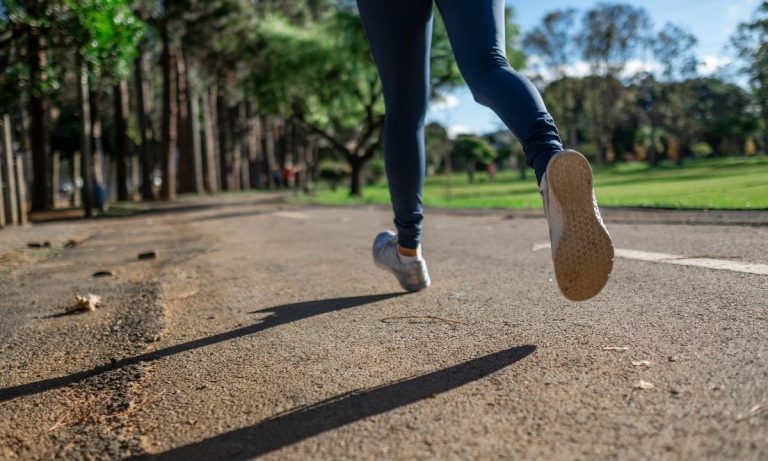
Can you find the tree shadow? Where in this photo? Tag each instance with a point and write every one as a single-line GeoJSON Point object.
{"type": "Point", "coordinates": [279, 315]}
{"type": "Point", "coordinates": [291, 427]}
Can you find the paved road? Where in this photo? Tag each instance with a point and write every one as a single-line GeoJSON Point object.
{"type": "Point", "coordinates": [265, 330]}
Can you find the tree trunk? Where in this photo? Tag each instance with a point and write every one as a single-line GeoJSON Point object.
{"type": "Point", "coordinates": [170, 117]}
{"type": "Point", "coordinates": [145, 125]}
{"type": "Point", "coordinates": [280, 147]}
{"type": "Point", "coordinates": [21, 191]}
{"type": "Point", "coordinates": [224, 132]}
{"type": "Point", "coordinates": [193, 100]}
{"type": "Point", "coordinates": [121, 138]}
{"type": "Point", "coordinates": [269, 151]}
{"type": "Point", "coordinates": [85, 139]}
{"type": "Point", "coordinates": [8, 203]}
{"type": "Point", "coordinates": [135, 177]}
{"type": "Point", "coordinates": [2, 202]}
{"type": "Point", "coordinates": [356, 182]}
{"type": "Point", "coordinates": [310, 162]}
{"type": "Point", "coordinates": [185, 142]}
{"type": "Point", "coordinates": [253, 140]}
{"type": "Point", "coordinates": [97, 152]}
{"type": "Point", "coordinates": [55, 177]}
{"type": "Point", "coordinates": [209, 132]}
{"type": "Point", "coordinates": [38, 127]}
{"type": "Point", "coordinates": [236, 144]}
{"type": "Point", "coordinates": [76, 168]}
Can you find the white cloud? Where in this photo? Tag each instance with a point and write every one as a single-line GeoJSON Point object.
{"type": "Point", "coordinates": [709, 64]}
{"type": "Point", "coordinates": [582, 69]}
{"type": "Point", "coordinates": [634, 66]}
{"type": "Point", "coordinates": [447, 101]}
{"type": "Point", "coordinates": [457, 129]}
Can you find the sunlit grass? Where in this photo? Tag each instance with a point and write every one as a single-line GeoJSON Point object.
{"type": "Point", "coordinates": [729, 183]}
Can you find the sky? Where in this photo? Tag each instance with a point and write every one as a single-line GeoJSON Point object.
{"type": "Point", "coordinates": [711, 21]}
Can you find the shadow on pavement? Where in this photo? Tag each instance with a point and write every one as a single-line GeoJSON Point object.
{"type": "Point", "coordinates": [302, 423]}
{"type": "Point", "coordinates": [280, 315]}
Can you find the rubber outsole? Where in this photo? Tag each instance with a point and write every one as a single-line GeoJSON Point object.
{"type": "Point", "coordinates": [583, 258]}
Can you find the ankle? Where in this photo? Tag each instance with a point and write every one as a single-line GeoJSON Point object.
{"type": "Point", "coordinates": [409, 254]}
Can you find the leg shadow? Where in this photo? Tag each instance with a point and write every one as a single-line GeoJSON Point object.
{"type": "Point", "coordinates": [279, 315]}
{"type": "Point", "coordinates": [302, 423]}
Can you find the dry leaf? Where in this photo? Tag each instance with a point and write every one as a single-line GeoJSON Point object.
{"type": "Point", "coordinates": [643, 385]}
{"type": "Point", "coordinates": [641, 363]}
{"type": "Point", "coordinates": [614, 348]}
{"type": "Point", "coordinates": [88, 302]}
{"type": "Point", "coordinates": [756, 408]}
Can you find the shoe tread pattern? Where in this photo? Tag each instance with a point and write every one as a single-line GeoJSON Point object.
{"type": "Point", "coordinates": [584, 255]}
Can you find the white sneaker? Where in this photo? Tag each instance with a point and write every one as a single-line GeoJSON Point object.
{"type": "Point", "coordinates": [412, 275]}
{"type": "Point", "coordinates": [582, 250]}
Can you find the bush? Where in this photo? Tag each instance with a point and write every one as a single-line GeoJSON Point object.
{"type": "Point", "coordinates": [333, 172]}
{"type": "Point", "coordinates": [701, 149]}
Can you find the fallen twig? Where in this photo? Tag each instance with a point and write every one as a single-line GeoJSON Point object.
{"type": "Point", "coordinates": [614, 348]}
{"type": "Point", "coordinates": [422, 317]}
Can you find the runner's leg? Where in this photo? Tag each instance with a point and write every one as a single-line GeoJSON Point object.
{"type": "Point", "coordinates": [400, 32]}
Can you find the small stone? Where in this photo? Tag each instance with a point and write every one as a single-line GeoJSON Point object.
{"type": "Point", "coordinates": [148, 255]}
{"type": "Point", "coordinates": [643, 385]}
{"type": "Point", "coordinates": [103, 274]}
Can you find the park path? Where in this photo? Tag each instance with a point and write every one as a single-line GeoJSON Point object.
{"type": "Point", "coordinates": [265, 330]}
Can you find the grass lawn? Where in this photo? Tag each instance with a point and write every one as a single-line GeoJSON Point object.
{"type": "Point", "coordinates": [727, 183]}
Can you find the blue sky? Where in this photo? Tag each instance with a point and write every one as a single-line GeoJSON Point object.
{"type": "Point", "coordinates": [711, 21]}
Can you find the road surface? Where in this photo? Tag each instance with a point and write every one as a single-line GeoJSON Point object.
{"type": "Point", "coordinates": [264, 329]}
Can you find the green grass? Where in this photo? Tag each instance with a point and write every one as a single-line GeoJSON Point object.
{"type": "Point", "coordinates": [727, 183]}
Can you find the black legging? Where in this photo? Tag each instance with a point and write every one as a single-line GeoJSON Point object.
{"type": "Point", "coordinates": [399, 32]}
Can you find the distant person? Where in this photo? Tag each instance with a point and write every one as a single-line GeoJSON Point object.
{"type": "Point", "coordinates": [399, 32]}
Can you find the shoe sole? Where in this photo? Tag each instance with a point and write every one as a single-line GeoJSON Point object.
{"type": "Point", "coordinates": [584, 257]}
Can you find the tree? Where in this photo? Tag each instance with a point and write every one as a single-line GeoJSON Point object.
{"type": "Point", "coordinates": [751, 44]}
{"type": "Point", "coordinates": [612, 34]}
{"type": "Point", "coordinates": [438, 146]}
{"type": "Point", "coordinates": [27, 30]}
{"type": "Point", "coordinates": [714, 113]}
{"type": "Point", "coordinates": [105, 34]}
{"type": "Point", "coordinates": [472, 151]}
{"type": "Point", "coordinates": [673, 50]}
{"type": "Point", "coordinates": [554, 42]}
{"type": "Point", "coordinates": [101, 36]}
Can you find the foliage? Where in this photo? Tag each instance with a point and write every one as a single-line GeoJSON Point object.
{"type": "Point", "coordinates": [472, 151]}
{"type": "Point", "coordinates": [611, 34]}
{"type": "Point", "coordinates": [106, 33]}
{"type": "Point", "coordinates": [672, 48]}
{"type": "Point", "coordinates": [437, 144]}
{"type": "Point", "coordinates": [554, 41]}
{"type": "Point", "coordinates": [751, 44]}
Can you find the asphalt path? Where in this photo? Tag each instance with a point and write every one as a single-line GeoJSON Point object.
{"type": "Point", "coordinates": [264, 329]}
